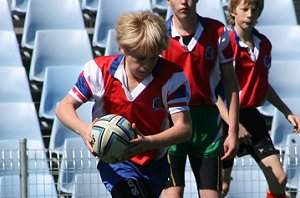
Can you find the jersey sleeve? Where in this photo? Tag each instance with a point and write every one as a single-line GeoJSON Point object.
{"type": "Point", "coordinates": [89, 84]}
{"type": "Point", "coordinates": [177, 93]}
{"type": "Point", "coordinates": [225, 48]}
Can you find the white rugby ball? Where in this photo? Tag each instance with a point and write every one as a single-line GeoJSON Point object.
{"type": "Point", "coordinates": [111, 135]}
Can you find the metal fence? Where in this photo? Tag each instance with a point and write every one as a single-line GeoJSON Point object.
{"type": "Point", "coordinates": [72, 173]}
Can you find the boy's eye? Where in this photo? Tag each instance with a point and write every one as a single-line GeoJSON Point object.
{"type": "Point", "coordinates": [141, 58]}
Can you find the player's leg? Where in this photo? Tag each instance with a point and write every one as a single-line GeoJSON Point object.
{"type": "Point", "coordinates": [226, 176]}
{"type": "Point", "coordinates": [226, 166]}
{"type": "Point", "coordinates": [275, 176]}
{"type": "Point", "coordinates": [264, 152]}
{"type": "Point", "coordinates": [207, 172]}
{"type": "Point", "coordinates": [175, 184]}
{"type": "Point", "coordinates": [207, 145]}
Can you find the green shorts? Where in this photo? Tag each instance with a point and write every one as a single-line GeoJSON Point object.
{"type": "Point", "coordinates": [207, 134]}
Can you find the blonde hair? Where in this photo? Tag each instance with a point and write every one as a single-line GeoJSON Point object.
{"type": "Point", "coordinates": [259, 4]}
{"type": "Point", "coordinates": [142, 33]}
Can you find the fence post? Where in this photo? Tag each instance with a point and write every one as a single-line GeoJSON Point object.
{"type": "Point", "coordinates": [23, 168]}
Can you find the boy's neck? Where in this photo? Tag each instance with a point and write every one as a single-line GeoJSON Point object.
{"type": "Point", "coordinates": [244, 35]}
{"type": "Point", "coordinates": [186, 26]}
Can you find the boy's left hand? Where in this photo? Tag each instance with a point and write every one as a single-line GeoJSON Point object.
{"type": "Point", "coordinates": [295, 121]}
{"type": "Point", "coordinates": [139, 144]}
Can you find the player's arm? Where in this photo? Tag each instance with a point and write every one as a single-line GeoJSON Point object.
{"type": "Point", "coordinates": [232, 98]}
{"type": "Point", "coordinates": [180, 132]}
{"type": "Point", "coordinates": [66, 113]}
{"type": "Point", "coordinates": [275, 100]}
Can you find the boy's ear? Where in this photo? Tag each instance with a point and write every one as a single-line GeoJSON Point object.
{"type": "Point", "coordinates": [122, 50]}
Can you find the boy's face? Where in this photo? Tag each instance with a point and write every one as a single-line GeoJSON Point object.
{"type": "Point", "coordinates": [183, 8]}
{"type": "Point", "coordinates": [245, 15]}
{"type": "Point", "coordinates": [140, 66]}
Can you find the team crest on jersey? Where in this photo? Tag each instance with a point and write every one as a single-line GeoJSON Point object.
{"type": "Point", "coordinates": [157, 104]}
{"type": "Point", "coordinates": [267, 61]}
{"type": "Point", "coordinates": [209, 53]}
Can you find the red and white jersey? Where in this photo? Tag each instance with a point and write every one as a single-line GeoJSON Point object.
{"type": "Point", "coordinates": [201, 59]}
{"type": "Point", "coordinates": [252, 68]}
{"type": "Point", "coordinates": [166, 90]}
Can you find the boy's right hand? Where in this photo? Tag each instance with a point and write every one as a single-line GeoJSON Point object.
{"type": "Point", "coordinates": [244, 136]}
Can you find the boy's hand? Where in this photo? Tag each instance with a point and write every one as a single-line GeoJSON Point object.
{"type": "Point", "coordinates": [295, 121]}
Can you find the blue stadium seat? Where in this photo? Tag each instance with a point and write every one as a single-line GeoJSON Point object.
{"type": "Point", "coordinates": [284, 78]}
{"type": "Point", "coordinates": [285, 41]}
{"type": "Point", "coordinates": [50, 14]}
{"type": "Point", "coordinates": [39, 186]}
{"type": "Point", "coordinates": [60, 132]}
{"type": "Point", "coordinates": [76, 159]}
{"type": "Point", "coordinates": [205, 8]}
{"type": "Point", "coordinates": [89, 5]}
{"type": "Point", "coordinates": [112, 47]}
{"type": "Point", "coordinates": [291, 160]}
{"type": "Point", "coordinates": [159, 4]}
{"type": "Point", "coordinates": [281, 127]}
{"type": "Point", "coordinates": [278, 12]}
{"type": "Point", "coordinates": [19, 5]}
{"type": "Point", "coordinates": [14, 85]}
{"type": "Point", "coordinates": [59, 47]}
{"type": "Point", "coordinates": [9, 49]}
{"type": "Point", "coordinates": [266, 109]}
{"type": "Point", "coordinates": [5, 17]}
{"type": "Point", "coordinates": [19, 120]}
{"type": "Point", "coordinates": [59, 80]}
{"type": "Point", "coordinates": [107, 14]}
{"type": "Point", "coordinates": [89, 185]}
{"type": "Point", "coordinates": [286, 86]}
{"type": "Point", "coordinates": [37, 161]}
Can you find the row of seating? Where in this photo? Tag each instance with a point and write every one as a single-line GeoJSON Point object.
{"type": "Point", "coordinates": [51, 74]}
{"type": "Point", "coordinates": [91, 5]}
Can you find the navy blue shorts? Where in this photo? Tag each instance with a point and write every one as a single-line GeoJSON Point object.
{"type": "Point", "coordinates": [149, 179]}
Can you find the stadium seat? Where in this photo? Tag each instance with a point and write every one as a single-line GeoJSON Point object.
{"type": "Point", "coordinates": [284, 78]}
{"type": "Point", "coordinates": [286, 86]}
{"type": "Point", "coordinates": [9, 49]}
{"type": "Point", "coordinates": [89, 185]}
{"type": "Point", "coordinates": [266, 109]}
{"type": "Point", "coordinates": [278, 12]}
{"type": "Point", "coordinates": [19, 120]}
{"type": "Point", "coordinates": [159, 4]}
{"type": "Point", "coordinates": [247, 179]}
{"type": "Point", "coordinates": [37, 161]}
{"type": "Point", "coordinates": [89, 5]}
{"type": "Point", "coordinates": [76, 159]}
{"type": "Point", "coordinates": [112, 46]}
{"type": "Point", "coordinates": [107, 14]}
{"type": "Point", "coordinates": [60, 132]}
{"type": "Point", "coordinates": [291, 160]}
{"type": "Point", "coordinates": [285, 47]}
{"type": "Point", "coordinates": [19, 5]}
{"type": "Point", "coordinates": [5, 17]}
{"type": "Point", "coordinates": [59, 47]}
{"type": "Point", "coordinates": [14, 85]}
{"type": "Point", "coordinates": [50, 14]}
{"type": "Point", "coordinates": [39, 186]}
{"type": "Point", "coordinates": [59, 80]}
{"type": "Point", "coordinates": [211, 8]}
{"type": "Point", "coordinates": [281, 127]}
{"type": "Point", "coordinates": [298, 192]}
